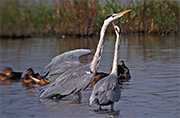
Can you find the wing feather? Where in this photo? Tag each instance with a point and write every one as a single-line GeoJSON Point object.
{"type": "Point", "coordinates": [64, 62]}
{"type": "Point", "coordinates": [72, 82]}
{"type": "Point", "coordinates": [105, 91]}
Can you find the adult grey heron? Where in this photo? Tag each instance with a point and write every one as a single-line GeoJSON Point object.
{"type": "Point", "coordinates": [107, 90]}
{"type": "Point", "coordinates": [79, 78]}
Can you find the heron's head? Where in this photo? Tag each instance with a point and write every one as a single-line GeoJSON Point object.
{"type": "Point", "coordinates": [117, 29]}
{"type": "Point", "coordinates": [113, 17]}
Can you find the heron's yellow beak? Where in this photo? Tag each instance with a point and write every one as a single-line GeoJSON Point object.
{"type": "Point", "coordinates": [122, 13]}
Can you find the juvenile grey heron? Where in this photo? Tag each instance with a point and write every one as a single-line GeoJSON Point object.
{"type": "Point", "coordinates": [78, 79]}
{"type": "Point", "coordinates": [107, 90]}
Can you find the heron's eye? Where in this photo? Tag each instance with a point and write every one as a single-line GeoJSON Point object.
{"type": "Point", "coordinates": [113, 16]}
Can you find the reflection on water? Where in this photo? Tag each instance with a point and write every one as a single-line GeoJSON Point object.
{"type": "Point", "coordinates": [152, 92]}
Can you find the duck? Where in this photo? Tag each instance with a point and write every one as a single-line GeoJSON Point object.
{"type": "Point", "coordinates": [123, 72]}
{"type": "Point", "coordinates": [32, 79]}
{"type": "Point", "coordinates": [98, 76]}
{"type": "Point", "coordinates": [9, 75]}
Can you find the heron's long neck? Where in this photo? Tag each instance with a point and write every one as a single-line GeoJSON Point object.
{"type": "Point", "coordinates": [97, 56]}
{"type": "Point", "coordinates": [115, 60]}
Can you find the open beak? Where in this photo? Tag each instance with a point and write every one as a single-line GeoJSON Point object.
{"type": "Point", "coordinates": [122, 13]}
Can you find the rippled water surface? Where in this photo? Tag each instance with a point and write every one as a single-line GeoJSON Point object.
{"type": "Point", "coordinates": [153, 91]}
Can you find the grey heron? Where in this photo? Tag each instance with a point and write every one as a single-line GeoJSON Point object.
{"type": "Point", "coordinates": [78, 79]}
{"type": "Point", "coordinates": [107, 90]}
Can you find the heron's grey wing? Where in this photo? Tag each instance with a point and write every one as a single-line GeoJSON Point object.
{"type": "Point", "coordinates": [62, 69]}
{"type": "Point", "coordinates": [76, 81]}
{"type": "Point", "coordinates": [64, 62]}
{"type": "Point", "coordinates": [98, 89]}
{"type": "Point", "coordinates": [114, 92]}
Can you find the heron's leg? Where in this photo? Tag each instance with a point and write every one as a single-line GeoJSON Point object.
{"type": "Point", "coordinates": [74, 96]}
{"type": "Point", "coordinates": [112, 107]}
{"type": "Point", "coordinates": [80, 96]}
{"type": "Point", "coordinates": [100, 108]}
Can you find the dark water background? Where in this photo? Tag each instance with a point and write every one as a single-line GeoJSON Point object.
{"type": "Point", "coordinates": [153, 92]}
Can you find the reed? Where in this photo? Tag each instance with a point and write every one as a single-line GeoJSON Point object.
{"type": "Point", "coordinates": [19, 18]}
{"type": "Point", "coordinates": [151, 17]}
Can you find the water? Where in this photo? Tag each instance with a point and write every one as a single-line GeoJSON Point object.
{"type": "Point", "coordinates": [153, 91]}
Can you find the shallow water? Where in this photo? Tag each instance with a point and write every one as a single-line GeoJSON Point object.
{"type": "Point", "coordinates": [153, 91]}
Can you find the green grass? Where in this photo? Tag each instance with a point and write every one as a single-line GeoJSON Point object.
{"type": "Point", "coordinates": [85, 18]}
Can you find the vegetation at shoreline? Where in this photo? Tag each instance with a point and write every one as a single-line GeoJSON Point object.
{"type": "Point", "coordinates": [19, 18]}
